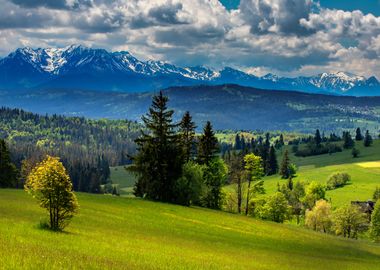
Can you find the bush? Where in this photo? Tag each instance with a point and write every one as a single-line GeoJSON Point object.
{"type": "Point", "coordinates": [319, 218]}
{"type": "Point", "coordinates": [355, 152]}
{"type": "Point", "coordinates": [255, 207]}
{"type": "Point", "coordinates": [314, 192]}
{"type": "Point", "coordinates": [275, 209]}
{"type": "Point", "coordinates": [338, 180]}
{"type": "Point", "coordinates": [349, 221]}
{"type": "Point", "coordinates": [190, 185]}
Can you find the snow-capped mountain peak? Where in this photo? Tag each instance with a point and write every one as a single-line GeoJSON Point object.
{"type": "Point", "coordinates": [343, 81]}
{"type": "Point", "coordinates": [27, 67]}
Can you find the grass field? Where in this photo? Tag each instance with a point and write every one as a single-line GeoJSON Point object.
{"type": "Point", "coordinates": [124, 179]}
{"type": "Point", "coordinates": [364, 172]}
{"type": "Point", "coordinates": [125, 233]}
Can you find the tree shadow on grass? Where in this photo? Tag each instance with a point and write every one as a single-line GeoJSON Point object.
{"type": "Point", "coordinates": [44, 226]}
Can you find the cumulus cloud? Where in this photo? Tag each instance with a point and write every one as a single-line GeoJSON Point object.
{"type": "Point", "coordinates": [285, 36]}
{"type": "Point", "coordinates": [278, 16]}
{"type": "Point", "coordinates": [53, 4]}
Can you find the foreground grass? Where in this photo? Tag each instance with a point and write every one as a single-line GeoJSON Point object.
{"type": "Point", "coordinates": [125, 233]}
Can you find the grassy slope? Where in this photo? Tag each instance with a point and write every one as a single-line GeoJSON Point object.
{"type": "Point", "coordinates": [319, 168]}
{"type": "Point", "coordinates": [124, 233]}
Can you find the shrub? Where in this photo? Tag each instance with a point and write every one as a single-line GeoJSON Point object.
{"type": "Point", "coordinates": [190, 185]}
{"type": "Point", "coordinates": [320, 217]}
{"type": "Point", "coordinates": [355, 152]}
{"type": "Point", "coordinates": [255, 207]}
{"type": "Point", "coordinates": [375, 222]}
{"type": "Point", "coordinates": [376, 194]}
{"type": "Point", "coordinates": [276, 208]}
{"type": "Point", "coordinates": [338, 180]}
{"type": "Point", "coordinates": [349, 221]}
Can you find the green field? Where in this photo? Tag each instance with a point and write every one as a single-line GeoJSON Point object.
{"type": "Point", "coordinates": [126, 233]}
{"type": "Point", "coordinates": [364, 171]}
{"type": "Point", "coordinates": [124, 179]}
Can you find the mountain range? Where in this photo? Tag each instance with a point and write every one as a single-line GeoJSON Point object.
{"type": "Point", "coordinates": [82, 68]}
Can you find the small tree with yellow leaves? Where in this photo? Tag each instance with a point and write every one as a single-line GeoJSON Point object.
{"type": "Point", "coordinates": [50, 184]}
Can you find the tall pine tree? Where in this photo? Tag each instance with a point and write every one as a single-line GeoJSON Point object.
{"type": "Point", "coordinates": [187, 133]}
{"type": "Point", "coordinates": [367, 139]}
{"type": "Point", "coordinates": [272, 166]}
{"type": "Point", "coordinates": [8, 171]}
{"type": "Point", "coordinates": [159, 160]}
{"type": "Point", "coordinates": [285, 165]}
{"type": "Point", "coordinates": [359, 135]}
{"type": "Point", "coordinates": [317, 138]}
{"type": "Point", "coordinates": [208, 145]}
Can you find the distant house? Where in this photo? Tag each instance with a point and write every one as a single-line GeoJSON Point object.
{"type": "Point", "coordinates": [366, 207]}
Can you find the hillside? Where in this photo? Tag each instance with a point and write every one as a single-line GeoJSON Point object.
{"type": "Point", "coordinates": [227, 106]}
{"type": "Point", "coordinates": [121, 233]}
{"type": "Point", "coordinates": [28, 133]}
{"type": "Point", "coordinates": [364, 172]}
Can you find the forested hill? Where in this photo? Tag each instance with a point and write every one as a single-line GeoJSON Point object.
{"type": "Point", "coordinates": [72, 138]}
{"type": "Point", "coordinates": [226, 106]}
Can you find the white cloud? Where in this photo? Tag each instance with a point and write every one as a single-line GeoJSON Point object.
{"type": "Point", "coordinates": [284, 36]}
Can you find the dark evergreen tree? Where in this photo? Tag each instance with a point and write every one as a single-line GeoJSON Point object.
{"type": "Point", "coordinates": [285, 165]}
{"type": "Point", "coordinates": [272, 165]}
{"type": "Point", "coordinates": [243, 144]}
{"type": "Point", "coordinates": [187, 135]}
{"type": "Point", "coordinates": [237, 142]}
{"type": "Point", "coordinates": [159, 160]}
{"type": "Point", "coordinates": [348, 142]}
{"type": "Point", "coordinates": [8, 171]}
{"type": "Point", "coordinates": [208, 145]}
{"type": "Point", "coordinates": [367, 139]}
{"type": "Point", "coordinates": [359, 135]}
{"type": "Point", "coordinates": [317, 138]}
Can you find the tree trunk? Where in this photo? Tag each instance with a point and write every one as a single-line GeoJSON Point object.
{"type": "Point", "coordinates": [246, 206]}
{"type": "Point", "coordinates": [239, 193]}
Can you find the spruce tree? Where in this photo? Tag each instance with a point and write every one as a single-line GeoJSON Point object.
{"type": "Point", "coordinates": [367, 139]}
{"type": "Point", "coordinates": [159, 159]}
{"type": "Point", "coordinates": [317, 138]}
{"type": "Point", "coordinates": [237, 142]}
{"type": "Point", "coordinates": [187, 134]}
{"type": "Point", "coordinates": [359, 135]}
{"type": "Point", "coordinates": [208, 145]}
{"type": "Point", "coordinates": [272, 166]}
{"type": "Point", "coordinates": [348, 142]}
{"type": "Point", "coordinates": [285, 164]}
{"type": "Point", "coordinates": [8, 171]}
{"type": "Point", "coordinates": [281, 141]}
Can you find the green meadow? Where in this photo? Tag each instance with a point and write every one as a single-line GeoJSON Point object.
{"type": "Point", "coordinates": [364, 172]}
{"type": "Point", "coordinates": [124, 179]}
{"type": "Point", "coordinates": [128, 233]}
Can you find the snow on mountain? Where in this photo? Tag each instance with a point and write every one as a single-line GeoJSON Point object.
{"type": "Point", "coordinates": [340, 80]}
{"type": "Point", "coordinates": [121, 71]}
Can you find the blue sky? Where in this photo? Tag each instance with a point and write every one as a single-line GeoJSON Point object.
{"type": "Point", "coordinates": [367, 6]}
{"type": "Point", "coordinates": [285, 37]}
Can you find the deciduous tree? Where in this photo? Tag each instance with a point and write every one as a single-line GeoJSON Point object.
{"type": "Point", "coordinates": [255, 171]}
{"type": "Point", "coordinates": [50, 184]}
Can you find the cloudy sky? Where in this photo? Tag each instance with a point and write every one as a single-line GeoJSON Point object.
{"type": "Point", "coordinates": [286, 37]}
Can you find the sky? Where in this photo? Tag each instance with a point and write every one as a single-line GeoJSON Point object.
{"type": "Point", "coordinates": [285, 37]}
